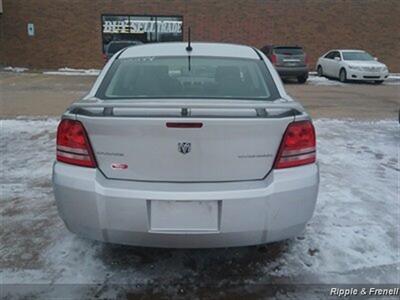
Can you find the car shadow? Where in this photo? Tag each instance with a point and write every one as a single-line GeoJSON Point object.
{"type": "Point", "coordinates": [229, 261]}
{"type": "Point", "coordinates": [291, 81]}
{"type": "Point", "coordinates": [207, 270]}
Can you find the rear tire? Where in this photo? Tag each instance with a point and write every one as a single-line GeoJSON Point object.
{"type": "Point", "coordinates": [342, 75]}
{"type": "Point", "coordinates": [320, 72]}
{"type": "Point", "coordinates": [302, 78]}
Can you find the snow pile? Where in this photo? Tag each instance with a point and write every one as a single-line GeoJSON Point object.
{"type": "Point", "coordinates": [316, 80]}
{"type": "Point", "coordinates": [393, 79]}
{"type": "Point", "coordinates": [353, 236]}
{"type": "Point", "coordinates": [74, 72]}
{"type": "Point", "coordinates": [15, 69]}
{"type": "Point", "coordinates": [313, 79]}
{"type": "Point", "coordinates": [354, 232]}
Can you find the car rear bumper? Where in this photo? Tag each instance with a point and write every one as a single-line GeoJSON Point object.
{"type": "Point", "coordinates": [249, 213]}
{"type": "Point", "coordinates": [292, 71]}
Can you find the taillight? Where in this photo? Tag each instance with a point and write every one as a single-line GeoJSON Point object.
{"type": "Point", "coordinates": [73, 146]}
{"type": "Point", "coordinates": [298, 146]}
{"type": "Point", "coordinates": [273, 59]}
{"type": "Point", "coordinates": [105, 57]}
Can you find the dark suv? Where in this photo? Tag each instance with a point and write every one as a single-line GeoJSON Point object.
{"type": "Point", "coordinates": [289, 61]}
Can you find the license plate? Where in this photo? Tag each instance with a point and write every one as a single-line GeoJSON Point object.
{"type": "Point", "coordinates": [184, 216]}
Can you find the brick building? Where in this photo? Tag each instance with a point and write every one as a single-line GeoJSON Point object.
{"type": "Point", "coordinates": [74, 33]}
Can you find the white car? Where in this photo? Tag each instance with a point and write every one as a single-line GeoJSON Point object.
{"type": "Point", "coordinates": [186, 148]}
{"type": "Point", "coordinates": [351, 65]}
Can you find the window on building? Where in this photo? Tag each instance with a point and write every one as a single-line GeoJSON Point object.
{"type": "Point", "coordinates": [141, 29]}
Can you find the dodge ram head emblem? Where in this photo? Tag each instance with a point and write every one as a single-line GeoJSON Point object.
{"type": "Point", "coordinates": [184, 147]}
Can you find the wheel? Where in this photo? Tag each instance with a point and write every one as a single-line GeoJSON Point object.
{"type": "Point", "coordinates": [378, 81]}
{"type": "Point", "coordinates": [342, 75]}
{"type": "Point", "coordinates": [319, 71]}
{"type": "Point", "coordinates": [302, 78]}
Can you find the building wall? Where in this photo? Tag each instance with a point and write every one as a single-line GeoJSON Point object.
{"type": "Point", "coordinates": [68, 32]}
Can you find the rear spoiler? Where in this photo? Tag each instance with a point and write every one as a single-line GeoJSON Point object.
{"type": "Point", "coordinates": [267, 110]}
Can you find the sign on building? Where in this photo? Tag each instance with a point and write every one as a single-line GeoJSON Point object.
{"type": "Point", "coordinates": [31, 29]}
{"type": "Point", "coordinates": [144, 29]}
{"type": "Point", "coordinates": [138, 27]}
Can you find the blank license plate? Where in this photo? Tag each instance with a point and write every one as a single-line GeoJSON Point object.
{"type": "Point", "coordinates": [184, 215]}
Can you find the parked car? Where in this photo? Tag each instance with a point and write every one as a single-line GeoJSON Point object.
{"type": "Point", "coordinates": [186, 148]}
{"type": "Point", "coordinates": [114, 46]}
{"type": "Point", "coordinates": [289, 61]}
{"type": "Point", "coordinates": [352, 65]}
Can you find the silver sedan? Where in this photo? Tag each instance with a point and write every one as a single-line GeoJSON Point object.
{"type": "Point", "coordinates": [186, 147]}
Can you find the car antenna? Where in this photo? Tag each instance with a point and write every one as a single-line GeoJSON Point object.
{"type": "Point", "coordinates": [189, 49]}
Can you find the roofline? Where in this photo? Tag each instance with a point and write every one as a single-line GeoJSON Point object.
{"type": "Point", "coordinates": [347, 50]}
{"type": "Point", "coordinates": [171, 47]}
{"type": "Point", "coordinates": [196, 42]}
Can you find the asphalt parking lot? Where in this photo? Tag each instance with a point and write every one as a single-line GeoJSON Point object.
{"type": "Point", "coordinates": [352, 238]}
{"type": "Point", "coordinates": [36, 94]}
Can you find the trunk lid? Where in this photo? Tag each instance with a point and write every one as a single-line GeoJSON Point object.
{"type": "Point", "coordinates": [229, 145]}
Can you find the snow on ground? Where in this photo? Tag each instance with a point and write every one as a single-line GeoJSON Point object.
{"type": "Point", "coordinates": [74, 72]}
{"type": "Point", "coordinates": [313, 79]}
{"type": "Point", "coordinates": [316, 80]}
{"type": "Point", "coordinates": [15, 69]}
{"type": "Point", "coordinates": [352, 238]}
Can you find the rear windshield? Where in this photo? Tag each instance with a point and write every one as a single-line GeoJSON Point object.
{"type": "Point", "coordinates": [357, 56]}
{"type": "Point", "coordinates": [184, 77]}
{"type": "Point", "coordinates": [288, 50]}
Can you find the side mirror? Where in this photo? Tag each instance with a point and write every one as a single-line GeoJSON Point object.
{"type": "Point", "coordinates": [337, 58]}
{"type": "Point", "coordinates": [375, 58]}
